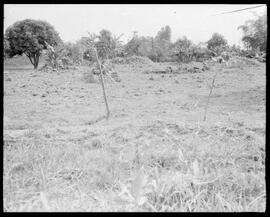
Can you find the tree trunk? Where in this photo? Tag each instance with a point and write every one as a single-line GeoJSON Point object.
{"type": "Point", "coordinates": [36, 60]}
{"type": "Point", "coordinates": [29, 56]}
{"type": "Point", "coordinates": [208, 99]}
{"type": "Point", "coordinates": [102, 84]}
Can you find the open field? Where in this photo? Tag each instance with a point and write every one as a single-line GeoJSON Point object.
{"type": "Point", "coordinates": [155, 153]}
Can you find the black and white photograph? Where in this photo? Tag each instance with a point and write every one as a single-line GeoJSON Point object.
{"type": "Point", "coordinates": [134, 107]}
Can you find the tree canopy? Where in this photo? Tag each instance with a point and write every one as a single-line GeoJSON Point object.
{"type": "Point", "coordinates": [216, 43]}
{"type": "Point", "coordinates": [255, 33]}
{"type": "Point", "coordinates": [28, 37]}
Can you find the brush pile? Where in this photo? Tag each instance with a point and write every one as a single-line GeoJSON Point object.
{"type": "Point", "coordinates": [132, 60]}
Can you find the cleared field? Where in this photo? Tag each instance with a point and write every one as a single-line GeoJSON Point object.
{"type": "Point", "coordinates": [154, 153]}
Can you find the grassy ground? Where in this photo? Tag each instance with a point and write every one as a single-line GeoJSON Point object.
{"type": "Point", "coordinates": [154, 153]}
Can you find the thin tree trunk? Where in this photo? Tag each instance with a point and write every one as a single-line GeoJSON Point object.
{"type": "Point", "coordinates": [102, 84]}
{"type": "Point", "coordinates": [204, 118]}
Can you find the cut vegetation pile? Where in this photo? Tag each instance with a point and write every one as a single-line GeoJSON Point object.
{"type": "Point", "coordinates": [132, 60]}
{"type": "Point", "coordinates": [240, 62]}
{"type": "Point", "coordinates": [193, 67]}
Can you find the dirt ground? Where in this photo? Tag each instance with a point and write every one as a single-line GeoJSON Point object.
{"type": "Point", "coordinates": [153, 114]}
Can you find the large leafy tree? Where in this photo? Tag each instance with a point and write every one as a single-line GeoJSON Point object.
{"type": "Point", "coordinates": [217, 43]}
{"type": "Point", "coordinates": [255, 33]}
{"type": "Point", "coordinates": [28, 37]}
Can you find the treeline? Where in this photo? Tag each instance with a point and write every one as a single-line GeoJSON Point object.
{"type": "Point", "coordinates": [159, 48]}
{"type": "Point", "coordinates": [30, 37]}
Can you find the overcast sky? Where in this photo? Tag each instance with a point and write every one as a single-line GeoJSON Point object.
{"type": "Point", "coordinates": [194, 21]}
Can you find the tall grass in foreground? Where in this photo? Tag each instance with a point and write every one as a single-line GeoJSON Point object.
{"type": "Point", "coordinates": [214, 169]}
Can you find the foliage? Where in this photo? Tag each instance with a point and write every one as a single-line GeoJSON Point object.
{"type": "Point", "coordinates": [28, 37]}
{"type": "Point", "coordinates": [146, 47]}
{"type": "Point", "coordinates": [182, 49]}
{"type": "Point", "coordinates": [6, 48]}
{"type": "Point", "coordinates": [157, 48]}
{"type": "Point", "coordinates": [108, 46]}
{"type": "Point", "coordinates": [140, 46]}
{"type": "Point", "coordinates": [235, 50]}
{"type": "Point", "coordinates": [132, 47]}
{"type": "Point", "coordinates": [74, 52]}
{"type": "Point", "coordinates": [56, 57]}
{"type": "Point", "coordinates": [105, 44]}
{"type": "Point", "coordinates": [217, 43]}
{"type": "Point", "coordinates": [162, 43]}
{"type": "Point", "coordinates": [255, 33]}
{"type": "Point", "coordinates": [87, 53]}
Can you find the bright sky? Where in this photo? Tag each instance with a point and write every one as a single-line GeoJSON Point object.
{"type": "Point", "coordinates": [194, 21]}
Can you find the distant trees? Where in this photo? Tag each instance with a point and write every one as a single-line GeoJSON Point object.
{"type": "Point", "coordinates": [105, 44]}
{"type": "Point", "coordinates": [132, 47]}
{"type": "Point", "coordinates": [28, 37]}
{"type": "Point", "coordinates": [156, 48]}
{"type": "Point", "coordinates": [87, 53]}
{"type": "Point", "coordinates": [182, 49]}
{"type": "Point", "coordinates": [217, 43]}
{"type": "Point", "coordinates": [235, 50]}
{"type": "Point", "coordinates": [162, 43]}
{"type": "Point", "coordinates": [74, 52]}
{"type": "Point", "coordinates": [200, 53]}
{"type": "Point", "coordinates": [255, 33]}
{"type": "Point", "coordinates": [147, 47]}
{"type": "Point", "coordinates": [140, 46]}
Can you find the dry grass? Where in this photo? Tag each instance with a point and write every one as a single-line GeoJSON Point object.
{"type": "Point", "coordinates": [219, 169]}
{"type": "Point", "coordinates": [143, 158]}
